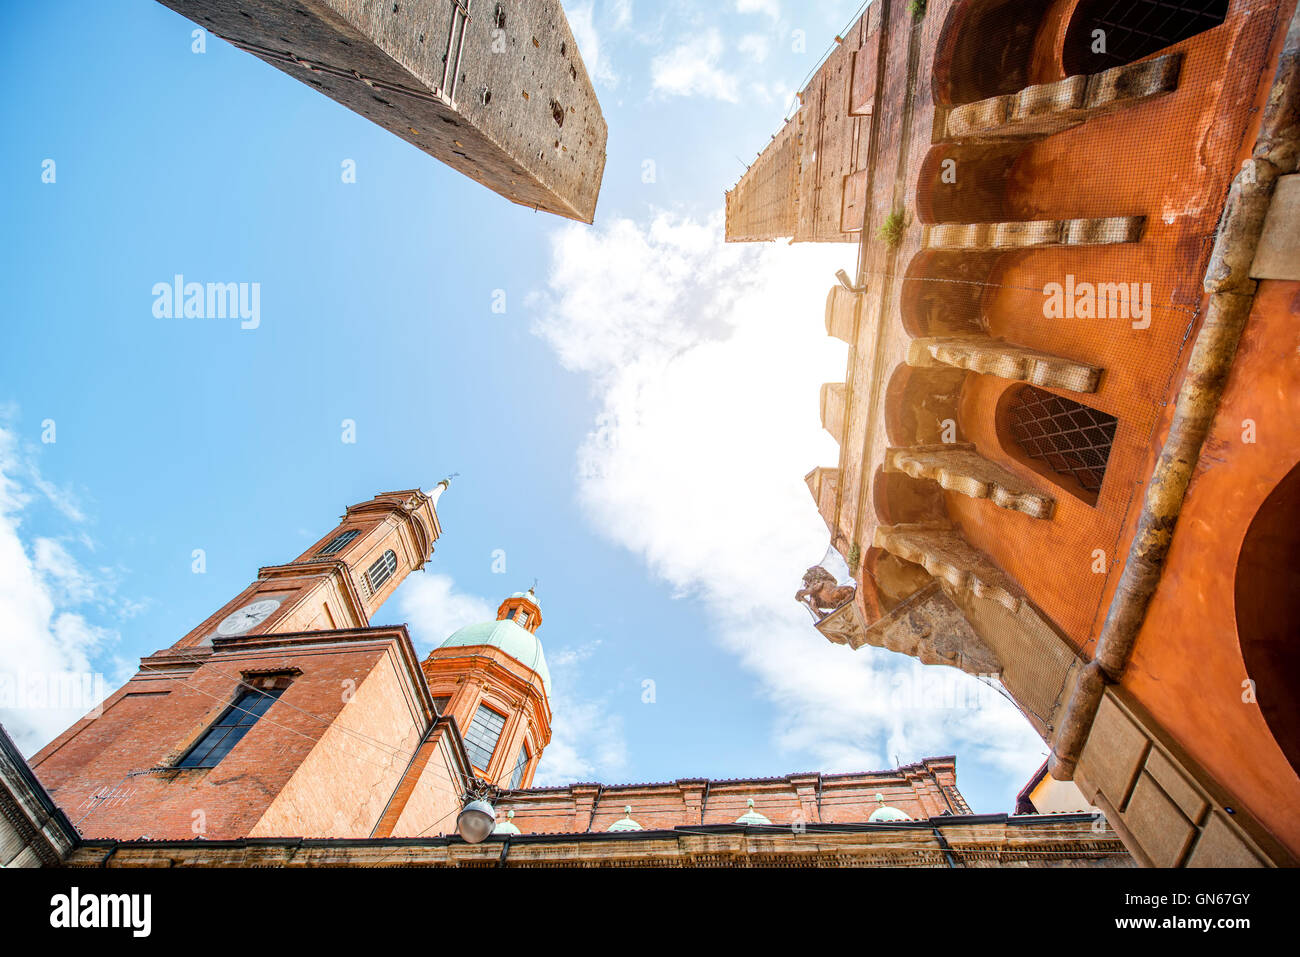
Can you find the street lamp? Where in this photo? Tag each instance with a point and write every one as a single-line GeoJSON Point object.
{"type": "Point", "coordinates": [475, 822]}
{"type": "Point", "coordinates": [477, 817]}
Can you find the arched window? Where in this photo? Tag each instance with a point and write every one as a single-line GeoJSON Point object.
{"type": "Point", "coordinates": [339, 542]}
{"type": "Point", "coordinates": [521, 763]}
{"type": "Point", "coordinates": [1267, 603]}
{"type": "Point", "coordinates": [382, 570]}
{"type": "Point", "coordinates": [481, 738]}
{"type": "Point", "coordinates": [1110, 33]}
{"type": "Point", "coordinates": [1062, 439]}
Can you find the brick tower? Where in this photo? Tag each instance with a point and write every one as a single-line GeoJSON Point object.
{"type": "Point", "coordinates": [284, 712]}
{"type": "Point", "coordinates": [492, 677]}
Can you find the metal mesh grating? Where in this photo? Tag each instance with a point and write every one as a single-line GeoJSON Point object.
{"type": "Point", "coordinates": [1137, 28]}
{"type": "Point", "coordinates": [1071, 439]}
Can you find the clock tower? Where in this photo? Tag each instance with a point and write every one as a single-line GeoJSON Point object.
{"type": "Point", "coordinates": [286, 712]}
{"type": "Point", "coordinates": [340, 580]}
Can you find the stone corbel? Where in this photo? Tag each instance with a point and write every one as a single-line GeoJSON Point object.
{"type": "Point", "coordinates": [989, 356]}
{"type": "Point", "coordinates": [959, 468]}
{"type": "Point", "coordinates": [943, 552]}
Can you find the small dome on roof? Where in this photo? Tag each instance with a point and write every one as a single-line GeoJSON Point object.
{"type": "Point", "coordinates": [529, 595]}
{"type": "Point", "coordinates": [751, 816]}
{"type": "Point", "coordinates": [625, 823]}
{"type": "Point", "coordinates": [507, 826]}
{"type": "Point", "coordinates": [885, 813]}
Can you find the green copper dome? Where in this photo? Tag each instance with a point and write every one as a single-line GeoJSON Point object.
{"type": "Point", "coordinates": [529, 595]}
{"type": "Point", "coordinates": [507, 826]}
{"type": "Point", "coordinates": [625, 823]}
{"type": "Point", "coordinates": [886, 813]}
{"type": "Point", "coordinates": [519, 643]}
{"type": "Point", "coordinates": [751, 816]}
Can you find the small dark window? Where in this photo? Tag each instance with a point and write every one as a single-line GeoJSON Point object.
{"type": "Point", "coordinates": [230, 728]}
{"type": "Point", "coordinates": [1133, 29]}
{"type": "Point", "coordinates": [1071, 439]}
{"type": "Point", "coordinates": [481, 738]}
{"type": "Point", "coordinates": [521, 762]}
{"type": "Point", "coordinates": [382, 570]}
{"type": "Point", "coordinates": [339, 542]}
{"type": "Point", "coordinates": [440, 704]}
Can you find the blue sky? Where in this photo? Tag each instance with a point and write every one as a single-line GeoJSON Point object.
{"type": "Point", "coordinates": [632, 431]}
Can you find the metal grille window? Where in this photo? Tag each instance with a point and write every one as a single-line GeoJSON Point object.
{"type": "Point", "coordinates": [339, 542]}
{"type": "Point", "coordinates": [230, 728]}
{"type": "Point", "coordinates": [1134, 29]}
{"type": "Point", "coordinates": [382, 570]}
{"type": "Point", "coordinates": [521, 762]}
{"type": "Point", "coordinates": [481, 738]}
{"type": "Point", "coordinates": [1069, 438]}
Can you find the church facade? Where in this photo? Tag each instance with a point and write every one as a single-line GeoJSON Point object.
{"type": "Point", "coordinates": [1068, 451]}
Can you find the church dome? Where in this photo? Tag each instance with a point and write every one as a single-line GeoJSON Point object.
{"type": "Point", "coordinates": [529, 595]}
{"type": "Point", "coordinates": [625, 823]}
{"type": "Point", "coordinates": [751, 816]}
{"type": "Point", "coordinates": [519, 643]}
{"type": "Point", "coordinates": [507, 826]}
{"type": "Point", "coordinates": [885, 813]}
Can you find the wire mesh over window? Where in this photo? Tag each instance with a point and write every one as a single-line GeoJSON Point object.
{"type": "Point", "coordinates": [1133, 29]}
{"type": "Point", "coordinates": [481, 738]}
{"type": "Point", "coordinates": [382, 570]}
{"type": "Point", "coordinates": [1069, 438]}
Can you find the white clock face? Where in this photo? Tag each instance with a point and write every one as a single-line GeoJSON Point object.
{"type": "Point", "coordinates": [250, 616]}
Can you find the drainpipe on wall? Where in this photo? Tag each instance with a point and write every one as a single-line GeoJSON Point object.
{"type": "Point", "coordinates": [1232, 294]}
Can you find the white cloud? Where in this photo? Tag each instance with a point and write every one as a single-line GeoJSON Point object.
{"type": "Point", "coordinates": [771, 8]}
{"type": "Point", "coordinates": [46, 647]}
{"type": "Point", "coordinates": [581, 19]}
{"type": "Point", "coordinates": [620, 12]}
{"type": "Point", "coordinates": [708, 368]}
{"type": "Point", "coordinates": [586, 739]}
{"type": "Point", "coordinates": [756, 45]}
{"type": "Point", "coordinates": [433, 608]}
{"type": "Point", "coordinates": [691, 69]}
{"type": "Point", "coordinates": [587, 742]}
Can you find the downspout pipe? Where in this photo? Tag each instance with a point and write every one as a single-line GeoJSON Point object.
{"type": "Point", "coordinates": [1231, 295]}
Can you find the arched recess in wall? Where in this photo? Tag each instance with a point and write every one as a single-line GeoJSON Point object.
{"type": "Point", "coordinates": [986, 49]}
{"type": "Point", "coordinates": [943, 293]}
{"type": "Point", "coordinates": [1064, 441]}
{"type": "Point", "coordinates": [966, 182]}
{"type": "Point", "coordinates": [900, 499]}
{"type": "Point", "coordinates": [1267, 606]}
{"type": "Point", "coordinates": [1108, 33]}
{"type": "Point", "coordinates": [891, 580]}
{"type": "Point", "coordinates": [921, 406]}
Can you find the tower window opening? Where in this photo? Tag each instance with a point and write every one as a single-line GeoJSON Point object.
{"type": "Point", "coordinates": [481, 738]}
{"type": "Point", "coordinates": [382, 570]}
{"type": "Point", "coordinates": [230, 728]}
{"type": "Point", "coordinates": [339, 542]}
{"type": "Point", "coordinates": [1071, 439]}
{"type": "Point", "coordinates": [1110, 33]}
{"type": "Point", "coordinates": [521, 762]}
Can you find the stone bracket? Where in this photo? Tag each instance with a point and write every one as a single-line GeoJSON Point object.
{"type": "Point", "coordinates": [1034, 234]}
{"type": "Point", "coordinates": [959, 468]}
{"type": "Point", "coordinates": [1048, 108]}
{"type": "Point", "coordinates": [926, 625]}
{"type": "Point", "coordinates": [989, 356]}
{"type": "Point", "coordinates": [944, 552]}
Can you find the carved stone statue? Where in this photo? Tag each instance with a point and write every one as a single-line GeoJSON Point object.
{"type": "Point", "coordinates": [821, 593]}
